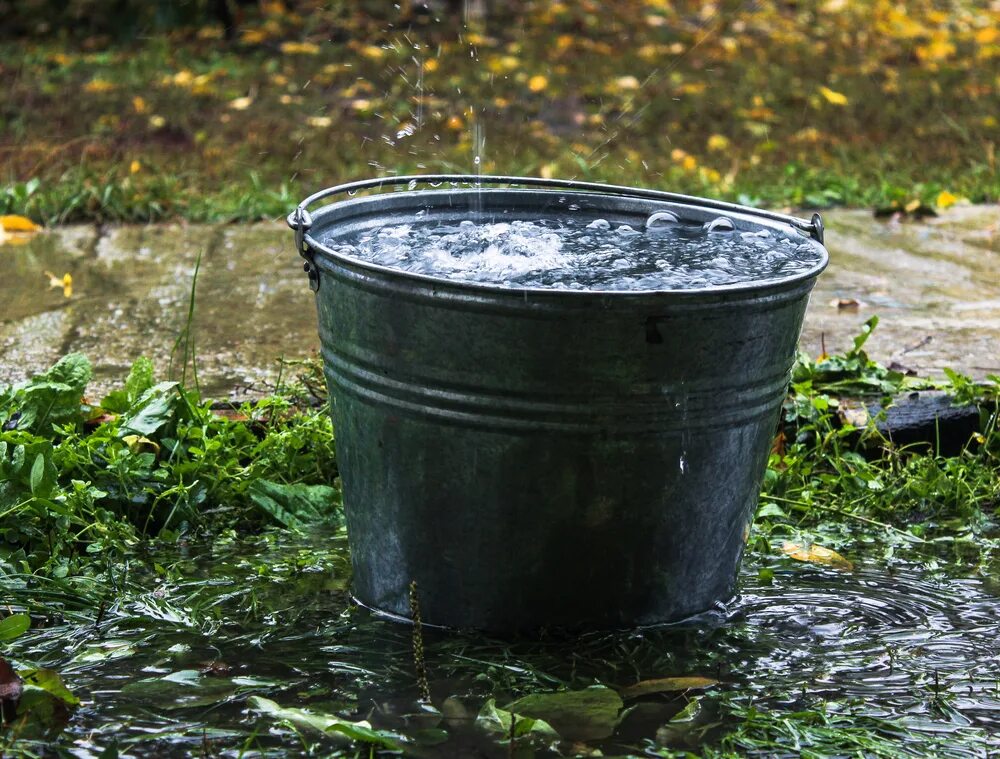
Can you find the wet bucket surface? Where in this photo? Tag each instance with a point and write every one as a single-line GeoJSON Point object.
{"type": "Point", "coordinates": [547, 458]}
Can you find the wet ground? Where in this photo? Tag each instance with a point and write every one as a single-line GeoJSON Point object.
{"type": "Point", "coordinates": [935, 284]}
{"type": "Point", "coordinates": [889, 649]}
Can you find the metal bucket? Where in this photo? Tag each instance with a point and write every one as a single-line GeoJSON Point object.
{"type": "Point", "coordinates": [536, 458]}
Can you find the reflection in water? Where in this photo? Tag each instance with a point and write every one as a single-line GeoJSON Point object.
{"type": "Point", "coordinates": [275, 619]}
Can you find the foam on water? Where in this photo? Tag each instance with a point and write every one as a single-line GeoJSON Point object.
{"type": "Point", "coordinates": [595, 254]}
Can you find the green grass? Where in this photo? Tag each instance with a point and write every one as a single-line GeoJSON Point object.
{"type": "Point", "coordinates": [806, 104]}
{"type": "Point", "coordinates": [152, 513]}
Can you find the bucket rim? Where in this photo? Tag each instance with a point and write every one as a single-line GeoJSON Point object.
{"type": "Point", "coordinates": [301, 221]}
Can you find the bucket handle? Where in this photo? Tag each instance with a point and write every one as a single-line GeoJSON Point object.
{"type": "Point", "coordinates": [300, 220]}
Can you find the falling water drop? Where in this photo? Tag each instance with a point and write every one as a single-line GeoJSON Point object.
{"type": "Point", "coordinates": [412, 185]}
{"type": "Point", "coordinates": [682, 463]}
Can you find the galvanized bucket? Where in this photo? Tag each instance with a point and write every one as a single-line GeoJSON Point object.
{"type": "Point", "coordinates": [536, 458]}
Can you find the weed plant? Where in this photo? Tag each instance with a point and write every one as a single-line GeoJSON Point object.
{"type": "Point", "coordinates": [99, 502]}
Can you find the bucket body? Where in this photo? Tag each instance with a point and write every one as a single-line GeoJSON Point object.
{"type": "Point", "coordinates": [546, 458]}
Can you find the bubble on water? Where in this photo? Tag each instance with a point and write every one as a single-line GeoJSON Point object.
{"type": "Point", "coordinates": [661, 220]}
{"type": "Point", "coordinates": [721, 224]}
{"type": "Point", "coordinates": [574, 207]}
{"type": "Point", "coordinates": [559, 254]}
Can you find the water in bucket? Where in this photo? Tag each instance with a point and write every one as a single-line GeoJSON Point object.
{"type": "Point", "coordinates": [590, 254]}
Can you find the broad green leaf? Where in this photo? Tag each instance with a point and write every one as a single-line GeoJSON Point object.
{"type": "Point", "coordinates": [496, 720]}
{"type": "Point", "coordinates": [327, 723]}
{"type": "Point", "coordinates": [14, 626]}
{"type": "Point", "coordinates": [140, 379]}
{"type": "Point", "coordinates": [588, 714]}
{"type": "Point", "coordinates": [37, 475]}
{"type": "Point", "coordinates": [49, 681]}
{"type": "Point", "coordinates": [157, 408]}
{"type": "Point", "coordinates": [665, 685]}
{"type": "Point", "coordinates": [296, 506]}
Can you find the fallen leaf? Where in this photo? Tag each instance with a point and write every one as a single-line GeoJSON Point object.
{"type": "Point", "coordinates": [816, 554]}
{"type": "Point", "coordinates": [538, 83]}
{"type": "Point", "coordinates": [18, 224]}
{"type": "Point", "coordinates": [65, 282]}
{"type": "Point", "coordinates": [832, 96]}
{"type": "Point", "coordinates": [718, 143]}
{"type": "Point", "coordinates": [135, 167]}
{"type": "Point", "coordinates": [10, 691]}
{"type": "Point", "coordinates": [140, 444]}
{"type": "Point", "coordinates": [666, 685]}
{"type": "Point", "coordinates": [945, 199]}
{"type": "Point", "coordinates": [299, 48]}
{"type": "Point", "coordinates": [846, 304]}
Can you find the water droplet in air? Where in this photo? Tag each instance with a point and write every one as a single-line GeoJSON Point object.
{"type": "Point", "coordinates": [477, 160]}
{"type": "Point", "coordinates": [435, 184]}
{"type": "Point", "coordinates": [599, 224]}
{"type": "Point", "coordinates": [722, 224]}
{"type": "Point", "coordinates": [661, 219]}
{"type": "Point", "coordinates": [683, 464]}
{"type": "Point", "coordinates": [352, 193]}
{"type": "Point", "coordinates": [412, 185]}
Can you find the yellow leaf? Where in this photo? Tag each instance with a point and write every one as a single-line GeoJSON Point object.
{"type": "Point", "coordinates": [816, 554]}
{"type": "Point", "coordinates": [833, 97]}
{"type": "Point", "coordinates": [65, 282]}
{"type": "Point", "coordinates": [98, 85]}
{"type": "Point", "coordinates": [139, 104]}
{"type": "Point", "coordinates": [666, 684]}
{"type": "Point", "coordinates": [18, 224]}
{"type": "Point", "coordinates": [431, 64]}
{"type": "Point", "coordinates": [718, 142]}
{"type": "Point", "coordinates": [627, 83]}
{"type": "Point", "coordinates": [537, 83]}
{"type": "Point", "coordinates": [241, 104]}
{"type": "Point", "coordinates": [140, 444]}
{"type": "Point", "coordinates": [912, 206]}
{"type": "Point", "coordinates": [299, 48]}
{"type": "Point", "coordinates": [135, 167]}
{"type": "Point", "coordinates": [945, 199]}
{"type": "Point", "coordinates": [319, 122]}
{"type": "Point", "coordinates": [157, 122]}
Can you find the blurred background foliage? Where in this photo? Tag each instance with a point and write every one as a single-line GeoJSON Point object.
{"type": "Point", "coordinates": [207, 109]}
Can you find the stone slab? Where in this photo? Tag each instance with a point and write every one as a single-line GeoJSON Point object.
{"type": "Point", "coordinates": [934, 284]}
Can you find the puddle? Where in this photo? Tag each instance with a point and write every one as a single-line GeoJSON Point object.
{"type": "Point", "coordinates": [171, 671]}
{"type": "Point", "coordinates": [936, 286]}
